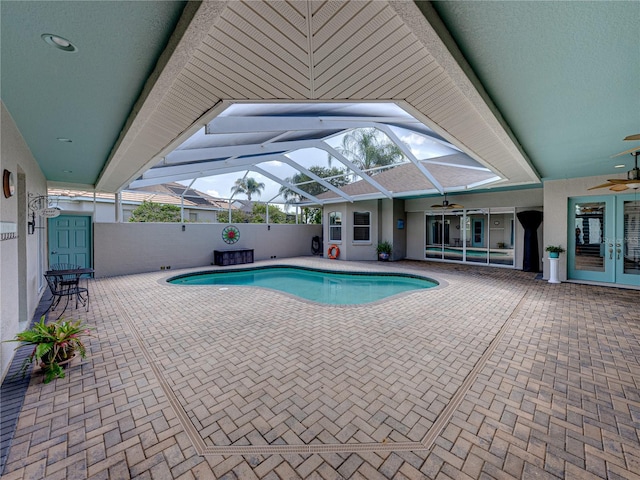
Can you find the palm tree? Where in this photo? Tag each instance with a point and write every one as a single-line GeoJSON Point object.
{"type": "Point", "coordinates": [369, 148]}
{"type": "Point", "coordinates": [249, 186]}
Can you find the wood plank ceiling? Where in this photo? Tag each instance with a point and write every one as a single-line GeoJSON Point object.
{"type": "Point", "coordinates": [290, 51]}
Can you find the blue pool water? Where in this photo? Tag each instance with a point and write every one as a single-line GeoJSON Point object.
{"type": "Point", "coordinates": [335, 288]}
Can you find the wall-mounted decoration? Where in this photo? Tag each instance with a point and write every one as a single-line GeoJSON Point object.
{"type": "Point", "coordinates": [400, 224]}
{"type": "Point", "coordinates": [230, 234]}
{"type": "Point", "coordinates": [8, 183]}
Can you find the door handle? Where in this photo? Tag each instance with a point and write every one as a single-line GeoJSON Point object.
{"type": "Point", "coordinates": [611, 254]}
{"type": "Point", "coordinates": [618, 252]}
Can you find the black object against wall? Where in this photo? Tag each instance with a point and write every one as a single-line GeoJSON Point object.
{"type": "Point", "coordinates": [316, 245]}
{"type": "Point", "coordinates": [530, 220]}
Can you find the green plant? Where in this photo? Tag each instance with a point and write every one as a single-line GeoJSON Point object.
{"type": "Point", "coordinates": [555, 249]}
{"type": "Point", "coordinates": [54, 343]}
{"type": "Point", "coordinates": [155, 212]}
{"type": "Point", "coordinates": [384, 247]}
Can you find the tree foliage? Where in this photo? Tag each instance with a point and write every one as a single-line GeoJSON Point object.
{"type": "Point", "coordinates": [247, 186]}
{"type": "Point", "coordinates": [335, 176]}
{"type": "Point", "coordinates": [369, 148]}
{"type": "Point", "coordinates": [155, 212]}
{"type": "Point", "coordinates": [257, 215]}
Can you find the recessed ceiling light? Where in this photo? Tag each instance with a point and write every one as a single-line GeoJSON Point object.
{"type": "Point", "coordinates": [619, 166]}
{"type": "Point", "coordinates": [64, 140]}
{"type": "Point", "coordinates": [59, 42]}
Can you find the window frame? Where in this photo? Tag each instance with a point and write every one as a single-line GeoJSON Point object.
{"type": "Point", "coordinates": [366, 226]}
{"type": "Point", "coordinates": [334, 226]}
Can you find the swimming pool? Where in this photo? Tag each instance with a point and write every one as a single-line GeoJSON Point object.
{"type": "Point", "coordinates": [322, 286]}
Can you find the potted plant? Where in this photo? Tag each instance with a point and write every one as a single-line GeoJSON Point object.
{"type": "Point", "coordinates": [554, 251]}
{"type": "Point", "coordinates": [384, 250]}
{"type": "Point", "coordinates": [55, 345]}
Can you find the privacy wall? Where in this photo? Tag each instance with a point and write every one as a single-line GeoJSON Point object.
{"type": "Point", "coordinates": [125, 248]}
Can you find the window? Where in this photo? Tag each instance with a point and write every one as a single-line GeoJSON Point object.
{"type": "Point", "coordinates": [335, 226]}
{"type": "Point", "coordinates": [361, 226]}
{"type": "Point", "coordinates": [193, 216]}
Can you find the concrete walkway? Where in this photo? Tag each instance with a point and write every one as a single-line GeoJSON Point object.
{"type": "Point", "coordinates": [492, 375]}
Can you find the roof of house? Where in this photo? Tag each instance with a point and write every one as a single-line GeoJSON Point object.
{"type": "Point", "coordinates": [168, 194]}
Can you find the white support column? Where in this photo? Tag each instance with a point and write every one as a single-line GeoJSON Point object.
{"type": "Point", "coordinates": [118, 207]}
{"type": "Point", "coordinates": [553, 270]}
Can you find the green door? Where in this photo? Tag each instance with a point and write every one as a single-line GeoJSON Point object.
{"type": "Point", "coordinates": [70, 240]}
{"type": "Point", "coordinates": [477, 232]}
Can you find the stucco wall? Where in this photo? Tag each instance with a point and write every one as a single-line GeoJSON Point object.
{"type": "Point", "coordinates": [350, 250]}
{"type": "Point", "coordinates": [556, 201]}
{"type": "Point", "coordinates": [125, 248]}
{"type": "Point", "coordinates": [20, 275]}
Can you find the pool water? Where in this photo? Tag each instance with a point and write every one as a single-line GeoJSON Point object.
{"type": "Point", "coordinates": [334, 288]}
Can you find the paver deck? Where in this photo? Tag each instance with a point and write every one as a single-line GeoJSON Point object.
{"type": "Point", "coordinates": [493, 375]}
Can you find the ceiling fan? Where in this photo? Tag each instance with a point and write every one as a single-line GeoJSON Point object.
{"type": "Point", "coordinates": [633, 175]}
{"type": "Point", "coordinates": [446, 205]}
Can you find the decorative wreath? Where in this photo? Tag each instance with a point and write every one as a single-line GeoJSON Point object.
{"type": "Point", "coordinates": [230, 234]}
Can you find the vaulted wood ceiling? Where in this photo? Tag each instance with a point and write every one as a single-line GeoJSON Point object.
{"type": "Point", "coordinates": [311, 51]}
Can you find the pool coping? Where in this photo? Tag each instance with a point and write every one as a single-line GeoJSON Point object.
{"type": "Point", "coordinates": [440, 283]}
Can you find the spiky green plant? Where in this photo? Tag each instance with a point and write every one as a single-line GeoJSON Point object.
{"type": "Point", "coordinates": [54, 343]}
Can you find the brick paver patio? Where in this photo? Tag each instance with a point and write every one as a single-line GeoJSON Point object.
{"type": "Point", "coordinates": [493, 375]}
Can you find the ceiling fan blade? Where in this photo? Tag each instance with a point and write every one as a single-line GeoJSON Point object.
{"type": "Point", "coordinates": [450, 206]}
{"type": "Point", "coordinates": [633, 137]}
{"type": "Point", "coordinates": [631, 150]}
{"type": "Point", "coordinates": [619, 188]}
{"type": "Point", "coordinates": [621, 181]}
{"type": "Point", "coordinates": [608, 184]}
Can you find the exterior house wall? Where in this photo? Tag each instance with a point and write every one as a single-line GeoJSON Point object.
{"type": "Point", "coordinates": [527, 199]}
{"type": "Point", "coordinates": [126, 248]}
{"type": "Point", "coordinates": [350, 250]}
{"type": "Point", "coordinates": [390, 212]}
{"type": "Point", "coordinates": [21, 284]}
{"type": "Point", "coordinates": [556, 204]}
{"type": "Point", "coordinates": [399, 222]}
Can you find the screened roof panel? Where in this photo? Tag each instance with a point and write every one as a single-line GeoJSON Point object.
{"type": "Point", "coordinates": [285, 141]}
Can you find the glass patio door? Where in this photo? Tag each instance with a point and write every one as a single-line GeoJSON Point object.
{"type": "Point", "coordinates": [591, 248]}
{"type": "Point", "coordinates": [605, 245]}
{"type": "Point", "coordinates": [627, 240]}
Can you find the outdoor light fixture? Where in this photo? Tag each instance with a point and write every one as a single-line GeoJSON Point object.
{"type": "Point", "coordinates": [59, 42]}
{"type": "Point", "coordinates": [31, 225]}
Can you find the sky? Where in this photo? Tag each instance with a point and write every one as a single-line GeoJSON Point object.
{"type": "Point", "coordinates": [221, 185]}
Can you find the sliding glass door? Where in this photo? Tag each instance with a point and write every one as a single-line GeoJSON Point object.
{"type": "Point", "coordinates": [474, 236]}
